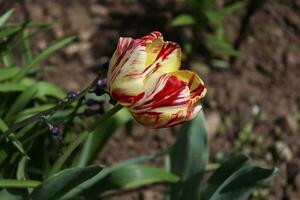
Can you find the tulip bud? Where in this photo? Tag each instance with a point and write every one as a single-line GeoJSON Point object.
{"type": "Point", "coordinates": [144, 76]}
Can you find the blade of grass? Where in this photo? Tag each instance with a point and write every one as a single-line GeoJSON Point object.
{"type": "Point", "coordinates": [25, 46]}
{"type": "Point", "coordinates": [21, 102]}
{"type": "Point", "coordinates": [5, 17]}
{"type": "Point", "coordinates": [8, 73]}
{"type": "Point", "coordinates": [12, 138]}
{"type": "Point", "coordinates": [12, 87]}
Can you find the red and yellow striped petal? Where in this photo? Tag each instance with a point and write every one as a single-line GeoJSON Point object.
{"type": "Point", "coordinates": [126, 68]}
{"type": "Point", "coordinates": [167, 99]}
{"type": "Point", "coordinates": [136, 59]}
{"type": "Point", "coordinates": [167, 119]}
{"type": "Point", "coordinates": [194, 82]}
{"type": "Point", "coordinates": [162, 91]}
{"type": "Point", "coordinates": [144, 75]}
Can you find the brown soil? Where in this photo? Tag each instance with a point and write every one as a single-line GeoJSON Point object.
{"type": "Point", "coordinates": [260, 89]}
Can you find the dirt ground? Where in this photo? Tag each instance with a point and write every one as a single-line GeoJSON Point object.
{"type": "Point", "coordinates": [253, 107]}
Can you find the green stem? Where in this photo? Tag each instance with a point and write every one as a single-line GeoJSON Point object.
{"type": "Point", "coordinates": [68, 151]}
{"type": "Point", "coordinates": [12, 183]}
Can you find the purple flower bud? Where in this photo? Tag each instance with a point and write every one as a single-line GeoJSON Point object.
{"type": "Point", "coordinates": [55, 131]}
{"type": "Point", "coordinates": [71, 95]}
{"type": "Point", "coordinates": [101, 83]}
{"type": "Point", "coordinates": [92, 102]}
{"type": "Point", "coordinates": [105, 65]}
{"type": "Point", "coordinates": [98, 91]}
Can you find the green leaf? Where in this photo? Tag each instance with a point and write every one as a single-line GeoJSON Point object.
{"type": "Point", "coordinates": [231, 9]}
{"type": "Point", "coordinates": [188, 158]}
{"type": "Point", "coordinates": [236, 179]}
{"type": "Point", "coordinates": [21, 102]}
{"type": "Point", "coordinates": [225, 170]}
{"type": "Point", "coordinates": [183, 20]}
{"type": "Point", "coordinates": [7, 58]}
{"type": "Point", "coordinates": [41, 56]}
{"type": "Point", "coordinates": [131, 177]}
{"type": "Point", "coordinates": [48, 89]}
{"type": "Point", "coordinates": [9, 32]}
{"type": "Point", "coordinates": [97, 140]}
{"type": "Point", "coordinates": [12, 138]}
{"type": "Point", "coordinates": [5, 17]}
{"type": "Point", "coordinates": [8, 73]}
{"type": "Point", "coordinates": [219, 45]}
{"type": "Point", "coordinates": [21, 174]}
{"type": "Point", "coordinates": [214, 18]}
{"type": "Point", "coordinates": [90, 188]}
{"type": "Point", "coordinates": [12, 87]}
{"type": "Point", "coordinates": [59, 184]}
{"type": "Point", "coordinates": [68, 151]}
{"type": "Point", "coordinates": [25, 47]}
{"type": "Point", "coordinates": [13, 194]}
{"type": "Point", "coordinates": [31, 111]}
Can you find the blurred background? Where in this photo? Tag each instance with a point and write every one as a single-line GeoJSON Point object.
{"type": "Point", "coordinates": [247, 53]}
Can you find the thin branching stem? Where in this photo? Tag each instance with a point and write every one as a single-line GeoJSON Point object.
{"type": "Point", "coordinates": [50, 111]}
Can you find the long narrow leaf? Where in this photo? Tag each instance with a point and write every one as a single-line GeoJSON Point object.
{"type": "Point", "coordinates": [12, 87]}
{"type": "Point", "coordinates": [61, 183]}
{"type": "Point", "coordinates": [188, 159]}
{"type": "Point", "coordinates": [236, 179]}
{"type": "Point", "coordinates": [8, 73]}
{"type": "Point", "coordinates": [87, 188]}
{"type": "Point", "coordinates": [21, 102]}
{"type": "Point", "coordinates": [5, 17]}
{"type": "Point", "coordinates": [130, 177]}
{"type": "Point", "coordinates": [12, 138]}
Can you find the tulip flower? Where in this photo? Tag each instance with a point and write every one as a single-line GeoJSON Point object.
{"type": "Point", "coordinates": [144, 75]}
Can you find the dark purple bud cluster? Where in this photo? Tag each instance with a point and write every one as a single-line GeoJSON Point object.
{"type": "Point", "coordinates": [100, 87]}
{"type": "Point", "coordinates": [94, 107]}
{"type": "Point", "coordinates": [55, 131]}
{"type": "Point", "coordinates": [102, 83]}
{"type": "Point", "coordinates": [92, 102]}
{"type": "Point", "coordinates": [71, 95]}
{"type": "Point", "coordinates": [105, 65]}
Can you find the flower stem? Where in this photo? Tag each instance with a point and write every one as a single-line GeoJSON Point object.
{"type": "Point", "coordinates": [68, 151]}
{"type": "Point", "coordinates": [50, 111]}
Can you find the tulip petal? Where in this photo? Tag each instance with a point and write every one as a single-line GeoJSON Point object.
{"type": "Point", "coordinates": [153, 48]}
{"type": "Point", "coordinates": [127, 68]}
{"type": "Point", "coordinates": [167, 119]}
{"type": "Point", "coordinates": [194, 82]}
{"type": "Point", "coordinates": [162, 91]}
{"type": "Point", "coordinates": [169, 57]}
{"type": "Point", "coordinates": [166, 102]}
